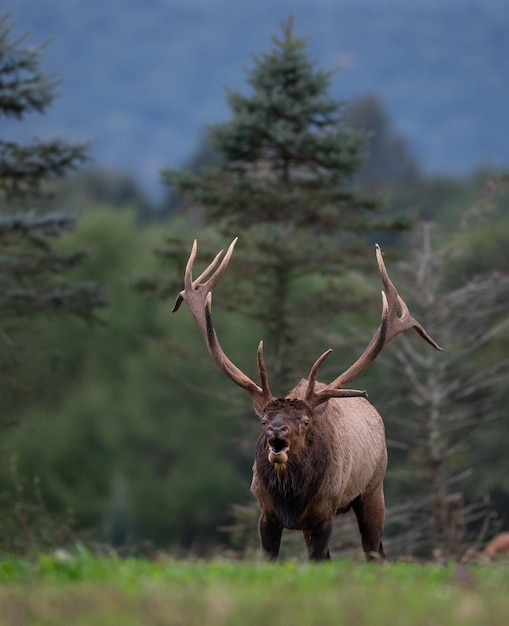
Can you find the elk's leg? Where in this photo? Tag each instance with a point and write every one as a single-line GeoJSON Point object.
{"type": "Point", "coordinates": [370, 512]}
{"type": "Point", "coordinates": [270, 536]}
{"type": "Point", "coordinates": [317, 542]}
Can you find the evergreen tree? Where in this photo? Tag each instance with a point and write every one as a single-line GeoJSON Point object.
{"type": "Point", "coordinates": [32, 271]}
{"type": "Point", "coordinates": [30, 267]}
{"type": "Point", "coordinates": [284, 184]}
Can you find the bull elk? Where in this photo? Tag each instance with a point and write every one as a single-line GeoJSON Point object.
{"type": "Point", "coordinates": [322, 449]}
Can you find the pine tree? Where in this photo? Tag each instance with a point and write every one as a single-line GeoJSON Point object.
{"type": "Point", "coordinates": [31, 270]}
{"type": "Point", "coordinates": [34, 278]}
{"type": "Point", "coordinates": [284, 184]}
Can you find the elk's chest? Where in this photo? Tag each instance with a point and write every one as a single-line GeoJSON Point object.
{"type": "Point", "coordinates": [294, 494]}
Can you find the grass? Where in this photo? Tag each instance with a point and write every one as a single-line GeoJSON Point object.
{"type": "Point", "coordinates": [81, 590]}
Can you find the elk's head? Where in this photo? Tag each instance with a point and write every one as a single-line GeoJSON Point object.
{"type": "Point", "coordinates": [285, 424]}
{"type": "Point", "coordinates": [286, 421]}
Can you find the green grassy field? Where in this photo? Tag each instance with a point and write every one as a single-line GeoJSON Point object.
{"type": "Point", "coordinates": [86, 590]}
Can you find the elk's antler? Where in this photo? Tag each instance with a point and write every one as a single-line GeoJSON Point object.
{"type": "Point", "coordinates": [396, 319]}
{"type": "Point", "coordinates": [198, 296]}
{"type": "Point", "coordinates": [314, 398]}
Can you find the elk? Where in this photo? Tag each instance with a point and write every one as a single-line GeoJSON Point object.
{"type": "Point", "coordinates": [322, 449]}
{"type": "Point", "coordinates": [498, 546]}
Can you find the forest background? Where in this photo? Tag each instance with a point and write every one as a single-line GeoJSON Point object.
{"type": "Point", "coordinates": [116, 428]}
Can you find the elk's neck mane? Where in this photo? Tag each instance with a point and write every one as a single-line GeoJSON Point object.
{"type": "Point", "coordinates": [292, 487]}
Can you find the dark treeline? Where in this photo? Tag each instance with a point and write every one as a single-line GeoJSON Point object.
{"type": "Point", "coordinates": [117, 429]}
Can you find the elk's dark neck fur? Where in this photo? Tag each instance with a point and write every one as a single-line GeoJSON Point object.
{"type": "Point", "coordinates": [292, 487]}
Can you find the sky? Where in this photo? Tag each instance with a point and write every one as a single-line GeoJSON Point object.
{"type": "Point", "coordinates": [143, 79]}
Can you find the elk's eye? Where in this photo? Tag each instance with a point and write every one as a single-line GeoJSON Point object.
{"type": "Point", "coordinates": [264, 422]}
{"type": "Point", "coordinates": [306, 422]}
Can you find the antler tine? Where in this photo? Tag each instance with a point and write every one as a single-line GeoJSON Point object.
{"type": "Point", "coordinates": [188, 279]}
{"type": "Point", "coordinates": [209, 268]}
{"type": "Point", "coordinates": [189, 283]}
{"type": "Point", "coordinates": [318, 364]}
{"type": "Point", "coordinates": [198, 297]}
{"type": "Point", "coordinates": [398, 324]}
{"type": "Point", "coordinates": [264, 379]}
{"type": "Point", "coordinates": [188, 274]}
{"type": "Point", "coordinates": [314, 373]}
{"type": "Point", "coordinates": [213, 280]}
{"type": "Point", "coordinates": [315, 398]}
{"type": "Point", "coordinates": [391, 324]}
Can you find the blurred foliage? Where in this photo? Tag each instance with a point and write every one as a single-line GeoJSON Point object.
{"type": "Point", "coordinates": [96, 187]}
{"type": "Point", "coordinates": [442, 409]}
{"type": "Point", "coordinates": [34, 274]}
{"type": "Point", "coordinates": [283, 181]}
{"type": "Point", "coordinates": [131, 433]}
{"type": "Point", "coordinates": [388, 160]}
{"type": "Point", "coordinates": [123, 432]}
{"type": "Point", "coordinates": [132, 445]}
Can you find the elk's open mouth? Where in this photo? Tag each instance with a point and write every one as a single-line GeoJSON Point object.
{"type": "Point", "coordinates": [278, 449]}
{"type": "Point", "coordinates": [278, 445]}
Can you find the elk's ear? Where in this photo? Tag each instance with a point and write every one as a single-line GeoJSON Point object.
{"type": "Point", "coordinates": [321, 408]}
{"type": "Point", "coordinates": [258, 407]}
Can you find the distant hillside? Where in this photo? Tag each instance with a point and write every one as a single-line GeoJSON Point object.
{"type": "Point", "coordinates": [143, 78]}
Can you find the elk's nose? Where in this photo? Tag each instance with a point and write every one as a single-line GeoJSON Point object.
{"type": "Point", "coordinates": [278, 430]}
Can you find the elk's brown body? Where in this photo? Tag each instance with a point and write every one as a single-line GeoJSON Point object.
{"type": "Point", "coordinates": [322, 448]}
{"type": "Point", "coordinates": [498, 546]}
{"type": "Point", "coordinates": [339, 462]}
